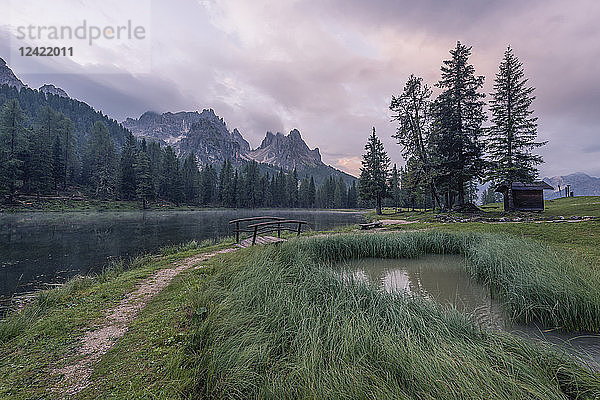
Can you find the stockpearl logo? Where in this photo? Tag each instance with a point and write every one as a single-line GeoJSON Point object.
{"type": "Point", "coordinates": [85, 31]}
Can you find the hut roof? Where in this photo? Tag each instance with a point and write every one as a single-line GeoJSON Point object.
{"type": "Point", "coordinates": [539, 185]}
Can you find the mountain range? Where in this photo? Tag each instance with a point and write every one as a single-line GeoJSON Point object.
{"type": "Point", "coordinates": [580, 184]}
{"type": "Point", "coordinates": [208, 137]}
{"type": "Point", "coordinates": [203, 133]}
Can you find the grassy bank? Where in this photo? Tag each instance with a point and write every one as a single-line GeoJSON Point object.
{"type": "Point", "coordinates": [279, 323]}
{"type": "Point", "coordinates": [68, 204]}
{"type": "Point", "coordinates": [45, 334]}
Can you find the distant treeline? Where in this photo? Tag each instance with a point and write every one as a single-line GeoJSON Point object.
{"type": "Point", "coordinates": [46, 153]}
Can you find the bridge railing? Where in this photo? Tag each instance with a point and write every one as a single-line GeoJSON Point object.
{"type": "Point", "coordinates": [269, 224]}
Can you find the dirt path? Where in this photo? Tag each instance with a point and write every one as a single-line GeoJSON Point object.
{"type": "Point", "coordinates": [97, 342]}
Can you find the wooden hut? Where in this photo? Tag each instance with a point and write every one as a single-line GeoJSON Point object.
{"type": "Point", "coordinates": [526, 196]}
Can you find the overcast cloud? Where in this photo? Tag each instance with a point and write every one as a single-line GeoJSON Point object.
{"type": "Point", "coordinates": [329, 67]}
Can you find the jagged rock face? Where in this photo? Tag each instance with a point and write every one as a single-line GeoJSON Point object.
{"type": "Point", "coordinates": [203, 133]}
{"type": "Point", "coordinates": [206, 135]}
{"type": "Point", "coordinates": [287, 152]}
{"type": "Point", "coordinates": [581, 185]}
{"type": "Point", "coordinates": [49, 88]}
{"type": "Point", "coordinates": [7, 77]}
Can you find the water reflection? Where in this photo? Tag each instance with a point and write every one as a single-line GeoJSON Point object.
{"type": "Point", "coordinates": [443, 278]}
{"type": "Point", "coordinates": [47, 247]}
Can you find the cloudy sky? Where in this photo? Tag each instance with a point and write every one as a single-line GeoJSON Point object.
{"type": "Point", "coordinates": [328, 67]}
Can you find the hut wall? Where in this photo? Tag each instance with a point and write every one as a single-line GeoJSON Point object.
{"type": "Point", "coordinates": [529, 199]}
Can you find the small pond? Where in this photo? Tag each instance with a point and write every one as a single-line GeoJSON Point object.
{"type": "Point", "coordinates": [443, 278]}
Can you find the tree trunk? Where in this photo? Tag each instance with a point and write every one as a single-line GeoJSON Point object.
{"type": "Point", "coordinates": [511, 199]}
{"type": "Point", "coordinates": [378, 206]}
{"type": "Point", "coordinates": [461, 192]}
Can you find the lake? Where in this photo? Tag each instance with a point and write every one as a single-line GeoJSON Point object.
{"type": "Point", "coordinates": [50, 247]}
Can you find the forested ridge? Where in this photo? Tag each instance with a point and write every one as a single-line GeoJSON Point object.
{"type": "Point", "coordinates": [52, 145]}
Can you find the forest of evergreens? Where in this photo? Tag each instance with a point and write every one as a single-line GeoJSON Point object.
{"type": "Point", "coordinates": [44, 152]}
{"type": "Point", "coordinates": [53, 145]}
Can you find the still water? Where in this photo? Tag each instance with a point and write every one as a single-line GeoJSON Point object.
{"type": "Point", "coordinates": [443, 278]}
{"type": "Point", "coordinates": [50, 247]}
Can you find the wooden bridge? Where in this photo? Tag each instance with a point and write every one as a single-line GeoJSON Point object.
{"type": "Point", "coordinates": [264, 225]}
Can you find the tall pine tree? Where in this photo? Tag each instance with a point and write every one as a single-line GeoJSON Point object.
{"type": "Point", "coordinates": [395, 187]}
{"type": "Point", "coordinates": [373, 173]}
{"type": "Point", "coordinates": [12, 145]}
{"type": "Point", "coordinates": [459, 116]}
{"type": "Point", "coordinates": [513, 133]}
{"type": "Point", "coordinates": [101, 160]}
{"type": "Point", "coordinates": [144, 186]}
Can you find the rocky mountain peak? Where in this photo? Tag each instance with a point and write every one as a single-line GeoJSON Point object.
{"type": "Point", "coordinates": [7, 76]}
{"type": "Point", "coordinates": [49, 88]}
{"type": "Point", "coordinates": [295, 135]}
{"type": "Point", "coordinates": [203, 133]}
{"type": "Point", "coordinates": [287, 152]}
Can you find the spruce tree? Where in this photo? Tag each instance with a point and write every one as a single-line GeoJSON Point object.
{"type": "Point", "coordinates": [395, 187]}
{"type": "Point", "coordinates": [459, 115]}
{"type": "Point", "coordinates": [513, 132]}
{"type": "Point", "coordinates": [191, 179]}
{"type": "Point", "coordinates": [208, 185]}
{"type": "Point", "coordinates": [38, 166]}
{"type": "Point", "coordinates": [58, 164]}
{"type": "Point", "coordinates": [12, 146]}
{"type": "Point", "coordinates": [144, 186]}
{"type": "Point", "coordinates": [373, 173]}
{"type": "Point", "coordinates": [312, 193]}
{"type": "Point", "coordinates": [353, 196]}
{"type": "Point", "coordinates": [226, 185]}
{"type": "Point", "coordinates": [171, 181]}
{"type": "Point", "coordinates": [101, 161]}
{"type": "Point", "coordinates": [292, 188]}
{"type": "Point", "coordinates": [127, 186]}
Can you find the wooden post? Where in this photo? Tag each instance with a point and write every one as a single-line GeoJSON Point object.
{"type": "Point", "coordinates": [237, 232]}
{"type": "Point", "coordinates": [299, 228]}
{"type": "Point", "coordinates": [254, 236]}
{"type": "Point", "coordinates": [278, 230]}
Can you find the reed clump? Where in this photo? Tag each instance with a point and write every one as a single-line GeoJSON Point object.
{"type": "Point", "coordinates": [279, 322]}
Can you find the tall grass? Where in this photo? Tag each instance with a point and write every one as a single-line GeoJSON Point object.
{"type": "Point", "coordinates": [278, 323]}
{"type": "Point", "coordinates": [532, 280]}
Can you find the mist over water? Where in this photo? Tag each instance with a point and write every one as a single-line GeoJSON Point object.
{"type": "Point", "coordinates": [51, 247]}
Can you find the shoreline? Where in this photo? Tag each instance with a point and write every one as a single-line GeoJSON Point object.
{"type": "Point", "coordinates": [152, 357]}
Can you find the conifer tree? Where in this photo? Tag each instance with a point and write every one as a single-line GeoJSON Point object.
{"type": "Point", "coordinates": [458, 113]}
{"type": "Point", "coordinates": [143, 178]}
{"type": "Point", "coordinates": [226, 185]}
{"type": "Point", "coordinates": [312, 192]}
{"type": "Point", "coordinates": [102, 161]}
{"type": "Point", "coordinates": [12, 146]}
{"type": "Point", "coordinates": [353, 196]}
{"type": "Point", "coordinates": [58, 164]}
{"type": "Point", "coordinates": [127, 186]}
{"type": "Point", "coordinates": [38, 165]}
{"type": "Point", "coordinates": [292, 188]}
{"type": "Point", "coordinates": [191, 179]}
{"type": "Point", "coordinates": [208, 185]}
{"type": "Point", "coordinates": [513, 132]}
{"type": "Point", "coordinates": [395, 187]}
{"type": "Point", "coordinates": [374, 171]}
